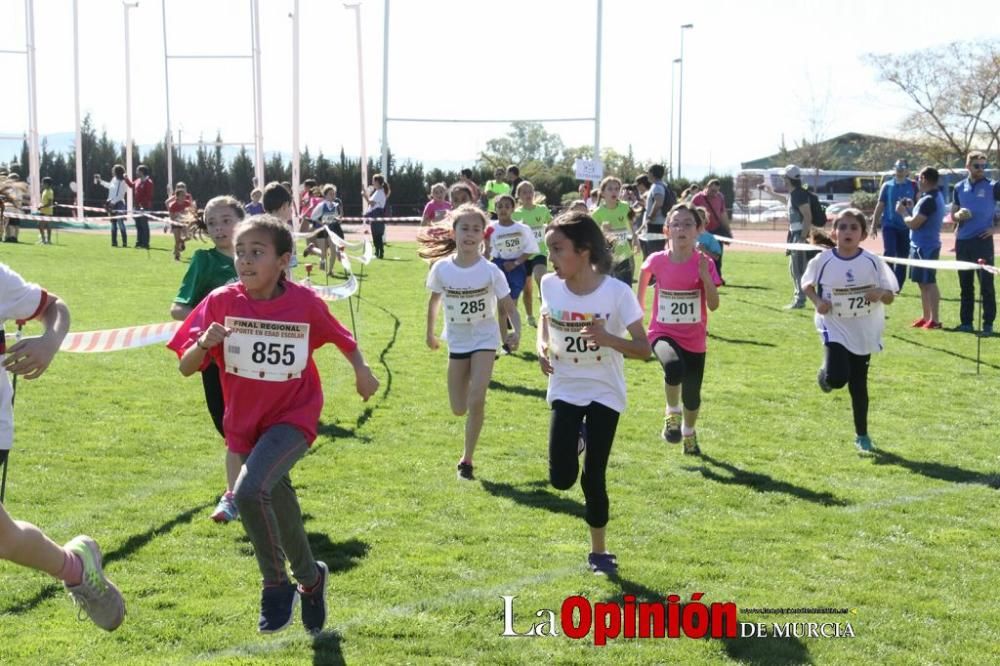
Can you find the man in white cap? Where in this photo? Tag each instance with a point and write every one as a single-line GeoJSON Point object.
{"type": "Point", "coordinates": [895, 234]}
{"type": "Point", "coordinates": [799, 230]}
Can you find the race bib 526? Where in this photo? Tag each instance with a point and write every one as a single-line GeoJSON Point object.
{"type": "Point", "coordinates": [272, 351]}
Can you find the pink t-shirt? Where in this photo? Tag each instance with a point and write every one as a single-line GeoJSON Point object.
{"type": "Point", "coordinates": [714, 205]}
{"type": "Point", "coordinates": [253, 405]}
{"type": "Point", "coordinates": [683, 293]}
{"type": "Point", "coordinates": [436, 210]}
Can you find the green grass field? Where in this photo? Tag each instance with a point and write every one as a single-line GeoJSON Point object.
{"type": "Point", "coordinates": [779, 512]}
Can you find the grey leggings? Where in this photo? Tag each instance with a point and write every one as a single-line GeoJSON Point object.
{"type": "Point", "coordinates": [269, 507]}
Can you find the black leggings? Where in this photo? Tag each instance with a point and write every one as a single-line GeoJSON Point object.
{"type": "Point", "coordinates": [213, 395]}
{"type": "Point", "coordinates": [683, 367]}
{"type": "Point", "coordinates": [842, 367]}
{"type": "Point", "coordinates": [564, 464]}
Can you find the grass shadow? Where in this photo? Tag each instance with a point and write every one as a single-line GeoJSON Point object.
{"type": "Point", "coordinates": [762, 483]}
{"type": "Point", "coordinates": [338, 432]}
{"type": "Point", "coordinates": [939, 471]}
{"type": "Point", "coordinates": [535, 498]}
{"type": "Point", "coordinates": [366, 415]}
{"type": "Point", "coordinates": [734, 341]}
{"type": "Point", "coordinates": [766, 307]}
{"type": "Point", "coordinates": [730, 285]}
{"type": "Point", "coordinates": [946, 351]}
{"type": "Point", "coordinates": [519, 390]}
{"type": "Point", "coordinates": [340, 556]}
{"type": "Point", "coordinates": [327, 650]}
{"type": "Point", "coordinates": [131, 545]}
{"type": "Point", "coordinates": [755, 651]}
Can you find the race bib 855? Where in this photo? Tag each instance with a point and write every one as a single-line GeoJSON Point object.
{"type": "Point", "coordinates": [271, 351]}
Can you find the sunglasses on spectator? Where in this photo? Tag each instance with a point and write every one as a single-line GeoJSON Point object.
{"type": "Point", "coordinates": [978, 165]}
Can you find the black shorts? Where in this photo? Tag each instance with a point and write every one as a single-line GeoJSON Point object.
{"type": "Point", "coordinates": [461, 356]}
{"type": "Point", "coordinates": [537, 260]}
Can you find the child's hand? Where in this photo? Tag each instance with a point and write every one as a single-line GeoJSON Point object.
{"type": "Point", "coordinates": [508, 266]}
{"type": "Point", "coordinates": [365, 383]}
{"type": "Point", "coordinates": [543, 359]}
{"type": "Point", "coordinates": [513, 339]}
{"type": "Point", "coordinates": [30, 357]}
{"type": "Point", "coordinates": [597, 333]}
{"type": "Point", "coordinates": [432, 341]}
{"type": "Point", "coordinates": [703, 272]}
{"type": "Point", "coordinates": [875, 295]}
{"type": "Point", "coordinates": [823, 306]}
{"type": "Point", "coordinates": [213, 336]}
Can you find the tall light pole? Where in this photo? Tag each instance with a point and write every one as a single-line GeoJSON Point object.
{"type": "Point", "coordinates": [680, 101]}
{"type": "Point", "coordinates": [356, 6]}
{"type": "Point", "coordinates": [670, 157]}
{"type": "Point", "coordinates": [126, 6]}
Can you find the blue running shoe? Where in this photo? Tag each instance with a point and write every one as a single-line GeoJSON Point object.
{"type": "Point", "coordinates": [277, 606]}
{"type": "Point", "coordinates": [864, 444]}
{"type": "Point", "coordinates": [314, 602]}
{"type": "Point", "coordinates": [603, 564]}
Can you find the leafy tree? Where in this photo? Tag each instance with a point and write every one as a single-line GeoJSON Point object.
{"type": "Point", "coordinates": [954, 93]}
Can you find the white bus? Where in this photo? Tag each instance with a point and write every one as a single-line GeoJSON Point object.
{"type": "Point", "coordinates": [830, 186]}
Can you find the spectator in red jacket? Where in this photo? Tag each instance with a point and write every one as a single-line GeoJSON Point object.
{"type": "Point", "coordinates": [142, 191]}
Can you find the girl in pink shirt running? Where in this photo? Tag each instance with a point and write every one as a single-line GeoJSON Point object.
{"type": "Point", "coordinates": [686, 288]}
{"type": "Point", "coordinates": [261, 332]}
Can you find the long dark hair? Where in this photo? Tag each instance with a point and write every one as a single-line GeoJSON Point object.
{"type": "Point", "coordinates": [438, 240]}
{"type": "Point", "coordinates": [585, 234]}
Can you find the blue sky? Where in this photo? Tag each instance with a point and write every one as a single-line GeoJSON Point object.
{"type": "Point", "coordinates": [754, 72]}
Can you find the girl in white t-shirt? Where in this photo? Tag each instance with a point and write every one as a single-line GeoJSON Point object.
{"type": "Point", "coordinates": [471, 288]}
{"type": "Point", "coordinates": [848, 286]}
{"type": "Point", "coordinates": [376, 198]}
{"type": "Point", "coordinates": [581, 346]}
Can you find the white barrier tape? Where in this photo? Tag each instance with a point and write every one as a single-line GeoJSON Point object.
{"type": "Point", "coordinates": [54, 218]}
{"type": "Point", "coordinates": [651, 237]}
{"type": "Point", "coordinates": [98, 209]}
{"type": "Point", "coordinates": [368, 254]}
{"type": "Point", "coordinates": [940, 264]}
{"type": "Point", "coordinates": [796, 247]}
{"type": "Point", "coordinates": [381, 219]}
{"type": "Point", "coordinates": [117, 339]}
{"type": "Point", "coordinates": [335, 292]}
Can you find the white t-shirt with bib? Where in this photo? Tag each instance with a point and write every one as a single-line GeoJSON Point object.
{"type": "Point", "coordinates": [510, 242]}
{"type": "Point", "coordinates": [582, 371]}
{"type": "Point", "coordinates": [470, 298]}
{"type": "Point", "coordinates": [851, 321]}
{"type": "Point", "coordinates": [18, 300]}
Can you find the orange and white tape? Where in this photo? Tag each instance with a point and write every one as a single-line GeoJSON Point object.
{"type": "Point", "coordinates": [118, 339]}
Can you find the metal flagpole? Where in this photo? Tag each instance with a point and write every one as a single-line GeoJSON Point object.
{"type": "Point", "coordinates": [34, 171]}
{"type": "Point", "coordinates": [76, 112]}
{"type": "Point", "coordinates": [128, 113]}
{"type": "Point", "coordinates": [258, 116]}
{"type": "Point", "coordinates": [296, 176]}
{"type": "Point", "coordinates": [166, 80]}
{"type": "Point", "coordinates": [597, 84]}
{"type": "Point", "coordinates": [680, 102]}
{"type": "Point", "coordinates": [385, 91]}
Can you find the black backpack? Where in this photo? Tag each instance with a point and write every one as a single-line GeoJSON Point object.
{"type": "Point", "coordinates": [816, 209]}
